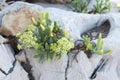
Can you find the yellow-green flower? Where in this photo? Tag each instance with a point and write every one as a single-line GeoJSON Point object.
{"type": "Point", "coordinates": [51, 29]}
{"type": "Point", "coordinates": [42, 27]}
{"type": "Point", "coordinates": [53, 46]}
{"type": "Point", "coordinates": [27, 39]}
{"type": "Point", "coordinates": [31, 28]}
{"type": "Point", "coordinates": [64, 44]}
{"type": "Point", "coordinates": [33, 19]}
{"type": "Point", "coordinates": [19, 46]}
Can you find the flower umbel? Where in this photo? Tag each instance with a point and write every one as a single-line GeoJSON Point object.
{"type": "Point", "coordinates": [27, 40]}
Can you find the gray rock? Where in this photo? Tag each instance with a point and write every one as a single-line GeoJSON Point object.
{"type": "Point", "coordinates": [18, 73]}
{"type": "Point", "coordinates": [6, 57]}
{"type": "Point", "coordinates": [60, 6]}
{"type": "Point", "coordinates": [76, 24]}
{"type": "Point", "coordinates": [57, 1]}
{"type": "Point", "coordinates": [48, 70]}
{"type": "Point", "coordinates": [16, 19]}
{"type": "Point", "coordinates": [10, 69]}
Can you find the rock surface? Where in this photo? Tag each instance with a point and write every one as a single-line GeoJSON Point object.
{"type": "Point", "coordinates": [60, 6]}
{"type": "Point", "coordinates": [48, 70]}
{"type": "Point", "coordinates": [17, 20]}
{"type": "Point", "coordinates": [57, 1]}
{"type": "Point", "coordinates": [80, 23]}
{"type": "Point", "coordinates": [10, 69]}
{"type": "Point", "coordinates": [66, 68]}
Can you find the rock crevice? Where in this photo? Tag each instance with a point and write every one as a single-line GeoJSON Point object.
{"type": "Point", "coordinates": [66, 69]}
{"type": "Point", "coordinates": [27, 67]}
{"type": "Point", "coordinates": [3, 71]}
{"type": "Point", "coordinates": [12, 68]}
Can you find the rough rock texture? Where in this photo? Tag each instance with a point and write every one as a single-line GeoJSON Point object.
{"type": "Point", "coordinates": [10, 69]}
{"type": "Point", "coordinates": [60, 6]}
{"type": "Point", "coordinates": [57, 1]}
{"type": "Point", "coordinates": [16, 21]}
{"type": "Point", "coordinates": [3, 4]}
{"type": "Point", "coordinates": [67, 68]}
{"type": "Point", "coordinates": [48, 70]}
{"type": "Point", "coordinates": [80, 23]}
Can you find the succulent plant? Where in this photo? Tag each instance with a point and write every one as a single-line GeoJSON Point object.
{"type": "Point", "coordinates": [102, 6]}
{"type": "Point", "coordinates": [47, 38]}
{"type": "Point", "coordinates": [80, 6]}
{"type": "Point", "coordinates": [98, 48]}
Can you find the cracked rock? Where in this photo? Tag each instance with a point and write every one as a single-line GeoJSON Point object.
{"type": "Point", "coordinates": [76, 24]}
{"type": "Point", "coordinates": [6, 57]}
{"type": "Point", "coordinates": [48, 70]}
{"type": "Point", "coordinates": [10, 69]}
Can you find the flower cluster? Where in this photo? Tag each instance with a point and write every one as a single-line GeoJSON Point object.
{"type": "Point", "coordinates": [63, 45]}
{"type": "Point", "coordinates": [27, 39]}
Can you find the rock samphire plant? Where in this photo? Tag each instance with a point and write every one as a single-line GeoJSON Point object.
{"type": "Point", "coordinates": [101, 6]}
{"type": "Point", "coordinates": [80, 5]}
{"type": "Point", "coordinates": [98, 47]}
{"type": "Point", "coordinates": [46, 37]}
{"type": "Point", "coordinates": [90, 47]}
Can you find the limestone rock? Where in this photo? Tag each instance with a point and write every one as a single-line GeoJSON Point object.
{"type": "Point", "coordinates": [3, 4]}
{"type": "Point", "coordinates": [60, 6]}
{"type": "Point", "coordinates": [57, 1]}
{"type": "Point", "coordinates": [66, 68]}
{"type": "Point", "coordinates": [18, 73]}
{"type": "Point", "coordinates": [6, 57]}
{"type": "Point", "coordinates": [16, 21]}
{"type": "Point", "coordinates": [76, 24]}
{"type": "Point", "coordinates": [10, 69]}
{"type": "Point", "coordinates": [48, 70]}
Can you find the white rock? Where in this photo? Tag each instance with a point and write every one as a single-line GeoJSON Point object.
{"type": "Point", "coordinates": [6, 64]}
{"type": "Point", "coordinates": [6, 57]}
{"type": "Point", "coordinates": [18, 73]}
{"type": "Point", "coordinates": [80, 70]}
{"type": "Point", "coordinates": [48, 70]}
{"type": "Point", "coordinates": [2, 75]}
{"type": "Point", "coordinates": [77, 23]}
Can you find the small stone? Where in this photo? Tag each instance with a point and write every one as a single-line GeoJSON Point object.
{"type": "Point", "coordinates": [21, 57]}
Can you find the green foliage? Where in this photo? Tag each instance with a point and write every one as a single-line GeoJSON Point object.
{"type": "Point", "coordinates": [80, 6]}
{"type": "Point", "coordinates": [102, 6]}
{"type": "Point", "coordinates": [47, 38]}
{"type": "Point", "coordinates": [98, 48]}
